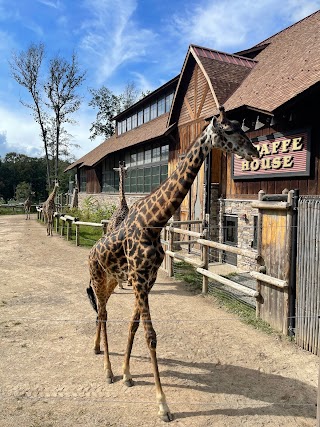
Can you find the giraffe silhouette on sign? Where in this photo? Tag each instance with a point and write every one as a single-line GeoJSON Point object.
{"type": "Point", "coordinates": [133, 251]}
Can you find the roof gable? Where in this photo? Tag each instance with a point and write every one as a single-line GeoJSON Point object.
{"type": "Point", "coordinates": [223, 72]}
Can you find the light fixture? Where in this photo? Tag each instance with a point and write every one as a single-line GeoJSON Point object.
{"type": "Point", "coordinates": [273, 121]}
{"type": "Point", "coordinates": [258, 124]}
{"type": "Point", "coordinates": [244, 127]}
{"type": "Point", "coordinates": [290, 118]}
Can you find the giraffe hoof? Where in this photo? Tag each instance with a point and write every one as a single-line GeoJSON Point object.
{"type": "Point", "coordinates": [166, 417]}
{"type": "Point", "coordinates": [110, 380]}
{"type": "Point", "coordinates": [129, 382]}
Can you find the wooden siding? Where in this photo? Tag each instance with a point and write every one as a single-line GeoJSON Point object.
{"type": "Point", "coordinates": [94, 180]}
{"type": "Point", "coordinates": [198, 101]}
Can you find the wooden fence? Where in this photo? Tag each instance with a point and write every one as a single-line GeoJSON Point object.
{"type": "Point", "coordinates": [174, 235]}
{"type": "Point", "coordinates": [308, 275]}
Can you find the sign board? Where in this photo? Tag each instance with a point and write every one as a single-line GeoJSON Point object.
{"type": "Point", "coordinates": [281, 155]}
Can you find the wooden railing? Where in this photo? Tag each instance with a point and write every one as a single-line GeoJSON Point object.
{"type": "Point", "coordinates": [63, 224]}
{"type": "Point", "coordinates": [202, 263]}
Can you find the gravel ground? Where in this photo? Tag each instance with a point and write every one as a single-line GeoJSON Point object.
{"type": "Point", "coordinates": [215, 370]}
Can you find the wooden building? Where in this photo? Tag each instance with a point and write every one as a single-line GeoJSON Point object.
{"type": "Point", "coordinates": [271, 89]}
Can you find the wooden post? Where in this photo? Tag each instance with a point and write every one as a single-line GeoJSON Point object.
{"type": "Point", "coordinates": [259, 238]}
{"type": "Point", "coordinates": [62, 228]}
{"type": "Point", "coordinates": [318, 395]}
{"type": "Point", "coordinates": [205, 259]}
{"type": "Point", "coordinates": [68, 229]}
{"type": "Point", "coordinates": [170, 248]}
{"type": "Point", "coordinates": [77, 234]}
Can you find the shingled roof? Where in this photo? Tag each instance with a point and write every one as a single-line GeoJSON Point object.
{"type": "Point", "coordinates": [147, 132]}
{"type": "Point", "coordinates": [288, 65]}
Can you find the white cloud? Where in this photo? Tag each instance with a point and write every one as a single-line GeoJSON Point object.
{"type": "Point", "coordinates": [112, 37]}
{"type": "Point", "coordinates": [231, 24]}
{"type": "Point", "coordinates": [54, 4]}
{"type": "Point", "coordinates": [20, 131]}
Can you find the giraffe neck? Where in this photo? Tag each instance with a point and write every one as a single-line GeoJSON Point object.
{"type": "Point", "coordinates": [121, 187]}
{"type": "Point", "coordinates": [53, 193]}
{"type": "Point", "coordinates": [166, 199]}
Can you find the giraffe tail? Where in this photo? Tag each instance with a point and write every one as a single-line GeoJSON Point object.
{"type": "Point", "coordinates": [92, 297]}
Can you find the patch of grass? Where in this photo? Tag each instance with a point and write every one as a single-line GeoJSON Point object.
{"type": "Point", "coordinates": [246, 313]}
{"type": "Point", "coordinates": [88, 235]}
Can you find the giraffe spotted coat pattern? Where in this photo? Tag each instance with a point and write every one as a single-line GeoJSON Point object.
{"type": "Point", "coordinates": [133, 251]}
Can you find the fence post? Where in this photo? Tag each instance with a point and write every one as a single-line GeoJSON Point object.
{"type": "Point", "coordinates": [68, 229]}
{"type": "Point", "coordinates": [77, 234]}
{"type": "Point", "coordinates": [205, 259]}
{"type": "Point", "coordinates": [170, 248]}
{"type": "Point", "coordinates": [261, 193]}
{"type": "Point", "coordinates": [62, 228]}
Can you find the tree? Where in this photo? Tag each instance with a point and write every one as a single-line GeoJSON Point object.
{"type": "Point", "coordinates": [109, 105]}
{"type": "Point", "coordinates": [54, 97]}
{"type": "Point", "coordinates": [60, 88]}
{"type": "Point", "coordinates": [25, 69]}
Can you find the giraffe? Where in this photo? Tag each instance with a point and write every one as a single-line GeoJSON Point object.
{"type": "Point", "coordinates": [119, 214]}
{"type": "Point", "coordinates": [27, 205]}
{"type": "Point", "coordinates": [133, 251]}
{"type": "Point", "coordinates": [49, 207]}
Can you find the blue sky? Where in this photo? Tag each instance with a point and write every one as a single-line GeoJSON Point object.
{"type": "Point", "coordinates": [118, 41]}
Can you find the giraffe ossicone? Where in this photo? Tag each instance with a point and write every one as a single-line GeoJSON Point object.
{"type": "Point", "coordinates": [133, 250]}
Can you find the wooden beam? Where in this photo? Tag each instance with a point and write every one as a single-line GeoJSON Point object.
{"type": "Point", "coordinates": [228, 248]}
{"type": "Point", "coordinates": [186, 102]}
{"type": "Point", "coordinates": [230, 283]}
{"type": "Point", "coordinates": [269, 279]}
{"type": "Point", "coordinates": [204, 95]}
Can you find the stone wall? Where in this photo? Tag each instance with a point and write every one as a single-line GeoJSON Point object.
{"type": "Point", "coordinates": [245, 213]}
{"type": "Point", "coordinates": [109, 198]}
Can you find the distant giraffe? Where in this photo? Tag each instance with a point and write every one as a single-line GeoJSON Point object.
{"type": "Point", "coordinates": [49, 208]}
{"type": "Point", "coordinates": [27, 207]}
{"type": "Point", "coordinates": [119, 214]}
{"type": "Point", "coordinates": [133, 250]}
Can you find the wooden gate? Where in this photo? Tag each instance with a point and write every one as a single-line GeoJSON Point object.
{"type": "Point", "coordinates": [308, 274]}
{"type": "Point", "coordinates": [274, 250]}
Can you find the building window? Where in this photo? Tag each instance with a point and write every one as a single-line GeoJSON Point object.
{"type": "Point", "coordinates": [140, 118]}
{"type": "Point", "coordinates": [169, 99]}
{"type": "Point", "coordinates": [128, 124]}
{"type": "Point", "coordinates": [150, 112]}
{"type": "Point", "coordinates": [83, 180]}
{"type": "Point", "coordinates": [147, 168]}
{"type": "Point", "coordinates": [153, 110]}
{"type": "Point", "coordinates": [161, 106]}
{"type": "Point", "coordinates": [134, 121]}
{"type": "Point", "coordinates": [146, 114]}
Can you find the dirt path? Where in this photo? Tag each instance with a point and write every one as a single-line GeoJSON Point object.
{"type": "Point", "coordinates": [215, 370]}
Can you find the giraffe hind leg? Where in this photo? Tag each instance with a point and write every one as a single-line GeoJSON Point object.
{"type": "Point", "coordinates": [102, 289]}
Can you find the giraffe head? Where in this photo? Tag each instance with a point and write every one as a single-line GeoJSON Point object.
{"type": "Point", "coordinates": [230, 137]}
{"type": "Point", "coordinates": [122, 169]}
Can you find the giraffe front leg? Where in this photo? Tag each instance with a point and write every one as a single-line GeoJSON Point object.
{"type": "Point", "coordinates": [151, 338]}
{"type": "Point", "coordinates": [134, 325]}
